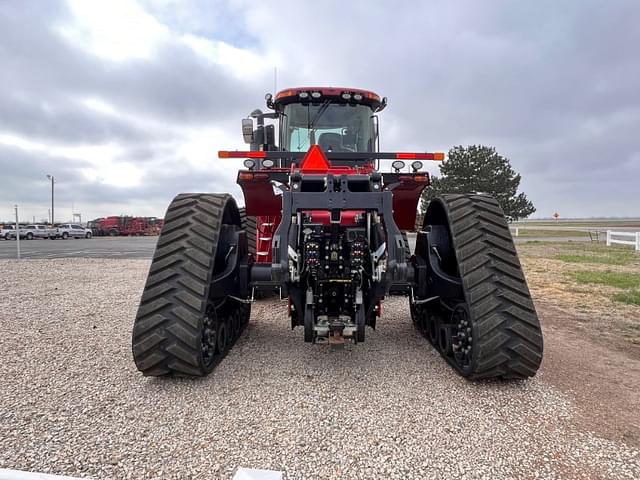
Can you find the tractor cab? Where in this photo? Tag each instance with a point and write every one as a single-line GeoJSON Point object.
{"type": "Point", "coordinates": [338, 120]}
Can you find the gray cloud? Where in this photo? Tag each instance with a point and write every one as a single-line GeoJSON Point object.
{"type": "Point", "coordinates": [551, 85]}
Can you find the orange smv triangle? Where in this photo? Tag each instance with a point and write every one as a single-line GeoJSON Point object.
{"type": "Point", "coordinates": [315, 160]}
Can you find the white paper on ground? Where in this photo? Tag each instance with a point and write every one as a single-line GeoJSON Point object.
{"type": "Point", "coordinates": [6, 474]}
{"type": "Point", "coordinates": [253, 474]}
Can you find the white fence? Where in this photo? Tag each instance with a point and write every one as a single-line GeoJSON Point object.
{"type": "Point", "coordinates": [632, 238]}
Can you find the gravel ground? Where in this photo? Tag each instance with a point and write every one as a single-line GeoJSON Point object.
{"type": "Point", "coordinates": [73, 403]}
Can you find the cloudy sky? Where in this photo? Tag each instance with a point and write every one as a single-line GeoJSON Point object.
{"type": "Point", "coordinates": [127, 102]}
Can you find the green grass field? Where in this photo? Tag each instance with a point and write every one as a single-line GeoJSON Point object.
{"type": "Point", "coordinates": [613, 257]}
{"type": "Point", "coordinates": [632, 297]}
{"type": "Point", "coordinates": [531, 232]}
{"type": "Point", "coordinates": [612, 279]}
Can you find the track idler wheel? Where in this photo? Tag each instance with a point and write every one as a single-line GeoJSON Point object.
{"type": "Point", "coordinates": [182, 326]}
{"type": "Point", "coordinates": [490, 328]}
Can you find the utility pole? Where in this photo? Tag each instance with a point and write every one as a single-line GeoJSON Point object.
{"type": "Point", "coordinates": [53, 180]}
{"type": "Point", "coordinates": [17, 232]}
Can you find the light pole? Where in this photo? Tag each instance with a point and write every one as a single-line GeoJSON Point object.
{"type": "Point", "coordinates": [53, 180]}
{"type": "Point", "coordinates": [17, 231]}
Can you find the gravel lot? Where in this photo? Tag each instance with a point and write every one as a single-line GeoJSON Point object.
{"type": "Point", "coordinates": [73, 403]}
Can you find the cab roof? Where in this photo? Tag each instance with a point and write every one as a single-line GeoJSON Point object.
{"type": "Point", "coordinates": [291, 95]}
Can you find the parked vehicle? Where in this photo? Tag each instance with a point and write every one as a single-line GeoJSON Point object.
{"type": "Point", "coordinates": [115, 226]}
{"type": "Point", "coordinates": [8, 232]}
{"type": "Point", "coordinates": [30, 232]}
{"type": "Point", "coordinates": [71, 230]}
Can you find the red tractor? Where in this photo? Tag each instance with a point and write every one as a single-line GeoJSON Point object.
{"type": "Point", "coordinates": [325, 227]}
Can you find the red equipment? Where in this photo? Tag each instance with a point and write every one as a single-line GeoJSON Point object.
{"type": "Point", "coordinates": [114, 226]}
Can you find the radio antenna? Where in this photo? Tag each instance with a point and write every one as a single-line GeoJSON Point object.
{"type": "Point", "coordinates": [275, 80]}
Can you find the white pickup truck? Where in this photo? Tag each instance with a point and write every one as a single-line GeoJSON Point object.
{"type": "Point", "coordinates": [7, 232]}
{"type": "Point", "coordinates": [36, 231]}
{"type": "Point", "coordinates": [70, 230]}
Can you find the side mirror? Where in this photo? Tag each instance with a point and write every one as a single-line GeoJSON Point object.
{"type": "Point", "coordinates": [247, 130]}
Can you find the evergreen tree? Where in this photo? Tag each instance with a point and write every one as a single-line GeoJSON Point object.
{"type": "Point", "coordinates": [478, 168]}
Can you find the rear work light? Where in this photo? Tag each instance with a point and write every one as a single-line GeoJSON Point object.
{"type": "Point", "coordinates": [397, 165]}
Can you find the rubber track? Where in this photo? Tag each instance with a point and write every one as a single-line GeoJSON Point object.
{"type": "Point", "coordinates": [249, 224]}
{"type": "Point", "coordinates": [507, 336]}
{"type": "Point", "coordinates": [168, 324]}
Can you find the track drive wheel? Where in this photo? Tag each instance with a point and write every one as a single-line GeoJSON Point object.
{"type": "Point", "coordinates": [181, 326]}
{"type": "Point", "coordinates": [492, 330]}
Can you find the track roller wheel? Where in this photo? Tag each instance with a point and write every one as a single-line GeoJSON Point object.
{"type": "Point", "coordinates": [492, 329]}
{"type": "Point", "coordinates": [182, 327]}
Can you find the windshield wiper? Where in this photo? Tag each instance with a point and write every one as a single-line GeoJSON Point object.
{"type": "Point", "coordinates": [316, 117]}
